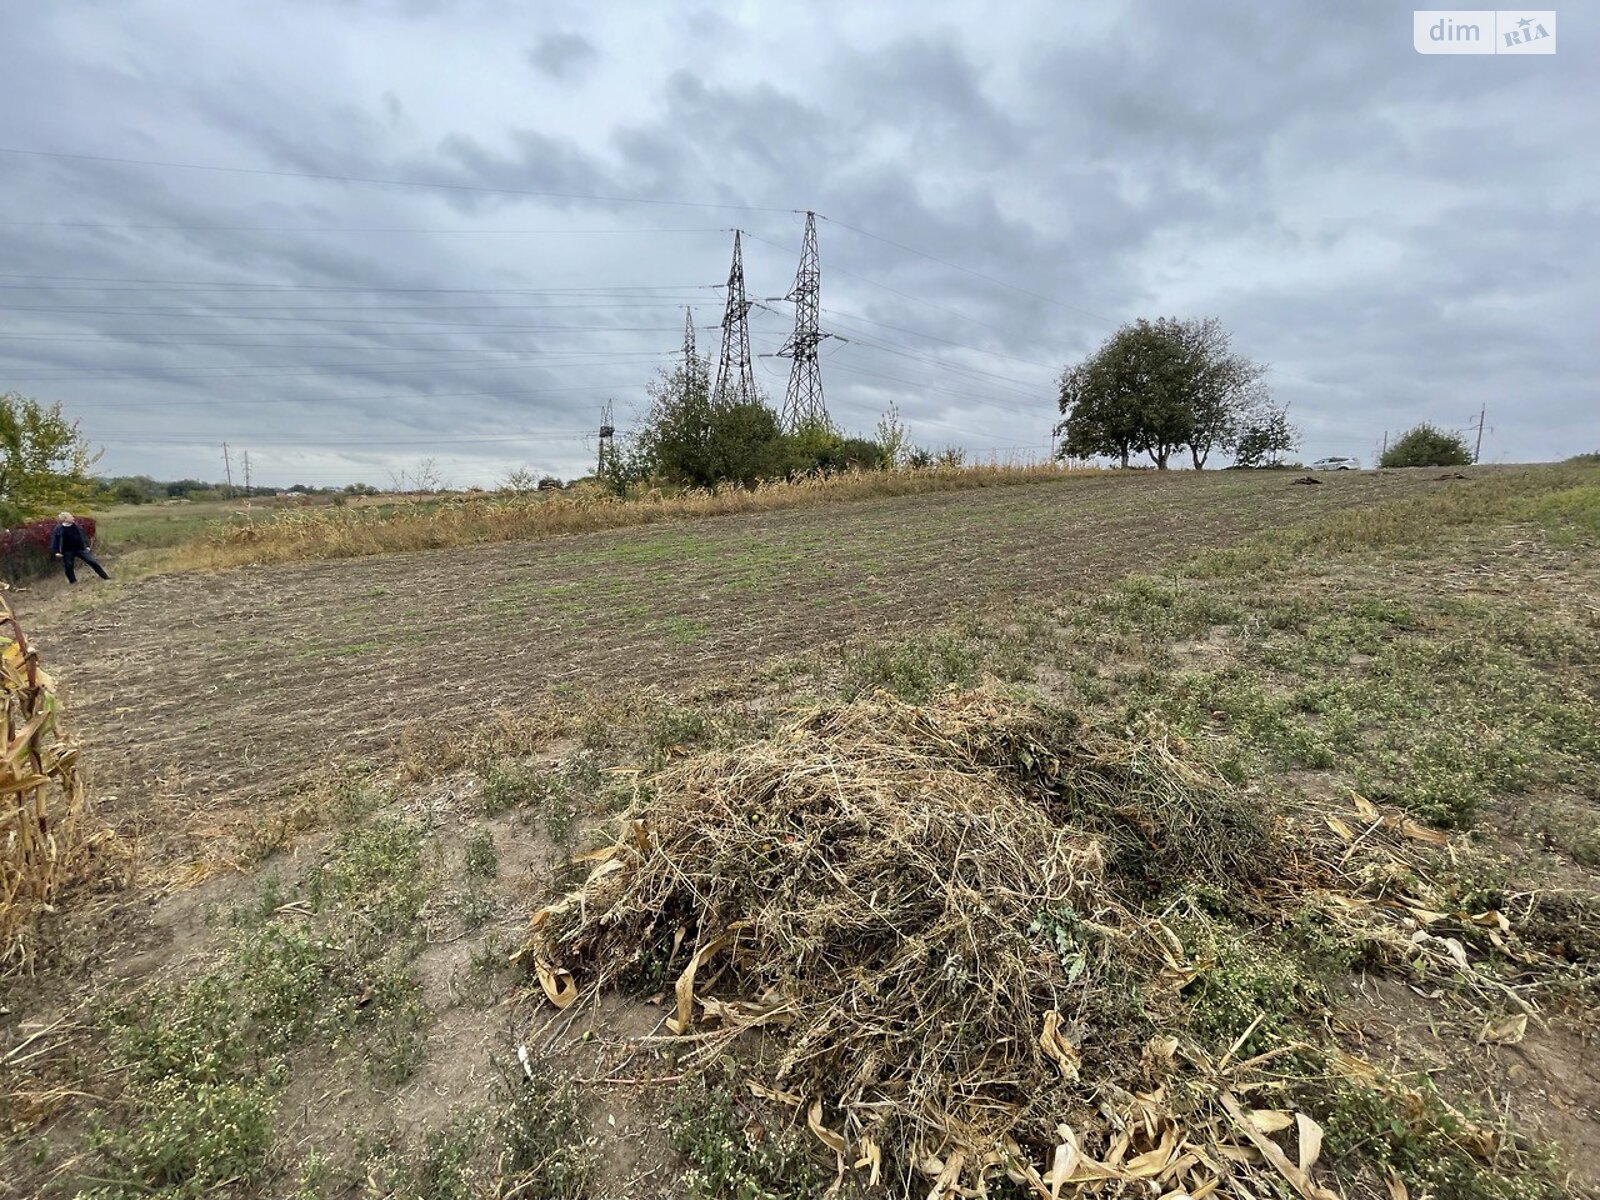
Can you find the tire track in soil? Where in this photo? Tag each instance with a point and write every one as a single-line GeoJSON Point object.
{"type": "Point", "coordinates": [199, 697]}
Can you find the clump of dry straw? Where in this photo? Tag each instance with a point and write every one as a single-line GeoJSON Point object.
{"type": "Point", "coordinates": [914, 903]}
{"type": "Point", "coordinates": [41, 797]}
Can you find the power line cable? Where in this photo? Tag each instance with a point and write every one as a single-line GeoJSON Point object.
{"type": "Point", "coordinates": [955, 266]}
{"type": "Point", "coordinates": [360, 399]}
{"type": "Point", "coordinates": [115, 340]}
{"type": "Point", "coordinates": [412, 183]}
{"type": "Point", "coordinates": [834, 269]}
{"type": "Point", "coordinates": [226, 285]}
{"type": "Point", "coordinates": [339, 228]}
{"type": "Point", "coordinates": [206, 309]}
{"type": "Point", "coordinates": [156, 374]}
{"type": "Point", "coordinates": [1022, 386]}
{"type": "Point", "coordinates": [460, 326]}
{"type": "Point", "coordinates": [122, 438]}
{"type": "Point", "coordinates": [923, 388]}
{"type": "Point", "coordinates": [592, 197]}
{"type": "Point", "coordinates": [933, 337]}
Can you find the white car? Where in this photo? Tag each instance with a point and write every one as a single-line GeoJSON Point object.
{"type": "Point", "coordinates": [1336, 464]}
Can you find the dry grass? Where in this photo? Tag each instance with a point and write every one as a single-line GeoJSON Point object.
{"type": "Point", "coordinates": [41, 798]}
{"type": "Point", "coordinates": [353, 531]}
{"type": "Point", "coordinates": [924, 906]}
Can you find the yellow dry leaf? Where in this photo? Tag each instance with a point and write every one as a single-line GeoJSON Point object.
{"type": "Point", "coordinates": [1064, 1161]}
{"type": "Point", "coordinates": [1365, 809]}
{"type": "Point", "coordinates": [1153, 1162]}
{"type": "Point", "coordinates": [1118, 1150]}
{"type": "Point", "coordinates": [1484, 1143]}
{"type": "Point", "coordinates": [684, 990]}
{"type": "Point", "coordinates": [551, 910]}
{"type": "Point", "coordinates": [1492, 919]}
{"type": "Point", "coordinates": [1309, 1135]}
{"type": "Point", "coordinates": [1397, 1186]}
{"type": "Point", "coordinates": [766, 1093]}
{"type": "Point", "coordinates": [1426, 916]}
{"type": "Point", "coordinates": [1170, 945]}
{"type": "Point", "coordinates": [1421, 833]}
{"type": "Point", "coordinates": [1339, 827]}
{"type": "Point", "coordinates": [1245, 1155]}
{"type": "Point", "coordinates": [1090, 1171]}
{"type": "Point", "coordinates": [1276, 1158]}
{"type": "Point", "coordinates": [1269, 1120]}
{"type": "Point", "coordinates": [641, 834]}
{"type": "Point", "coordinates": [1056, 1045]}
{"type": "Point", "coordinates": [557, 983]}
{"type": "Point", "coordinates": [1181, 1165]}
{"type": "Point", "coordinates": [949, 1181]}
{"type": "Point", "coordinates": [826, 1136]}
{"type": "Point", "coordinates": [1507, 1031]}
{"type": "Point", "coordinates": [872, 1158]}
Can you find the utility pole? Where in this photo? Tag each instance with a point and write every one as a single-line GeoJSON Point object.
{"type": "Point", "coordinates": [803, 404]}
{"type": "Point", "coordinates": [607, 447]}
{"type": "Point", "coordinates": [247, 489]}
{"type": "Point", "coordinates": [736, 381]}
{"type": "Point", "coordinates": [1477, 454]}
{"type": "Point", "coordinates": [227, 469]}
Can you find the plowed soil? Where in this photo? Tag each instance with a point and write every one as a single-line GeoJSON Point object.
{"type": "Point", "coordinates": [198, 696]}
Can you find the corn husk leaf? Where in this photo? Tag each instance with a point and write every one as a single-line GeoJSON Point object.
{"type": "Point", "coordinates": [1507, 1031]}
{"type": "Point", "coordinates": [557, 982]}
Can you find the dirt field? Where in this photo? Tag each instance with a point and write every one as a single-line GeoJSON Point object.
{"type": "Point", "coordinates": [198, 694]}
{"type": "Point", "coordinates": [1405, 695]}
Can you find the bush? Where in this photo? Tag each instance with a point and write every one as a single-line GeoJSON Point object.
{"type": "Point", "coordinates": [25, 548]}
{"type": "Point", "coordinates": [1427, 446]}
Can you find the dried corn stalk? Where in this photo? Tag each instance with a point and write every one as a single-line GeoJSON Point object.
{"type": "Point", "coordinates": [41, 797]}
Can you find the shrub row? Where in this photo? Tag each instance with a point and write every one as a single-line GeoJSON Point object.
{"type": "Point", "coordinates": [25, 548]}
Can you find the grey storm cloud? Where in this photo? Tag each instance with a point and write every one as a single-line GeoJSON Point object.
{"type": "Point", "coordinates": [511, 213]}
{"type": "Point", "coordinates": [563, 55]}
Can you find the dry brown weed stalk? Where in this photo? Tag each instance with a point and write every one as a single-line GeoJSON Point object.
{"type": "Point", "coordinates": [41, 796]}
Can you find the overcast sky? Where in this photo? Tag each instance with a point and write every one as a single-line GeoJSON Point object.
{"type": "Point", "coordinates": [1403, 237]}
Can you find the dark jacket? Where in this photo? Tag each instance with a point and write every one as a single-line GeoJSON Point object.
{"type": "Point", "coordinates": [68, 539]}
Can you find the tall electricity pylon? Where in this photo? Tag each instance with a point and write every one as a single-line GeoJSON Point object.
{"type": "Point", "coordinates": [689, 355]}
{"type": "Point", "coordinates": [736, 380]}
{"type": "Point", "coordinates": [803, 404]}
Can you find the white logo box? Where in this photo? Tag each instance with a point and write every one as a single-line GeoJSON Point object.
{"type": "Point", "coordinates": [1483, 31]}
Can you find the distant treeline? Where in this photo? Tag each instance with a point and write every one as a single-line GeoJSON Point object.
{"type": "Point", "coordinates": [142, 489]}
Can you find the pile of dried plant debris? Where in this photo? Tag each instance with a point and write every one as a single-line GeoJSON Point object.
{"type": "Point", "coordinates": [936, 917]}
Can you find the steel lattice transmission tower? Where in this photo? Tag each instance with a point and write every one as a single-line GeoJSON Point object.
{"type": "Point", "coordinates": [736, 380]}
{"type": "Point", "coordinates": [689, 355]}
{"type": "Point", "coordinates": [803, 404]}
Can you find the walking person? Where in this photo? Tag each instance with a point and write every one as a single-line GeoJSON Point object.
{"type": "Point", "coordinates": [67, 543]}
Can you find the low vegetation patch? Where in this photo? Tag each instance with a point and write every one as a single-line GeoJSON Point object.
{"type": "Point", "coordinates": [201, 1061]}
{"type": "Point", "coordinates": [347, 532]}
